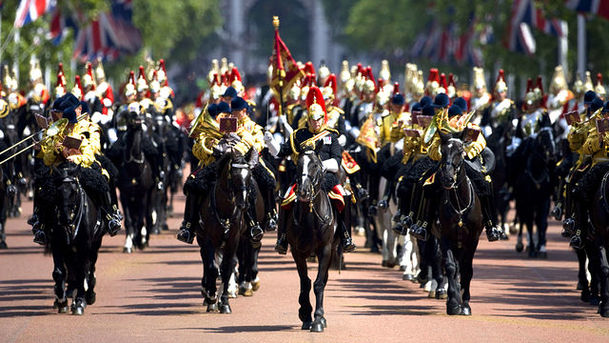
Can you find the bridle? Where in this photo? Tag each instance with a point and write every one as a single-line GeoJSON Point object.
{"type": "Point", "coordinates": [314, 190]}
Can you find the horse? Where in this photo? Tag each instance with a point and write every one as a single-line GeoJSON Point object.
{"type": "Point", "coordinates": [311, 226]}
{"type": "Point", "coordinates": [3, 210]}
{"type": "Point", "coordinates": [497, 142]}
{"type": "Point", "coordinates": [223, 215]}
{"type": "Point", "coordinates": [248, 251]}
{"type": "Point", "coordinates": [135, 182]}
{"type": "Point", "coordinates": [76, 237]}
{"type": "Point", "coordinates": [534, 187]}
{"type": "Point", "coordinates": [599, 220]}
{"type": "Point", "coordinates": [460, 215]}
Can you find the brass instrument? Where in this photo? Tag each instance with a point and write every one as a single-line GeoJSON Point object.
{"type": "Point", "coordinates": [205, 124]}
{"type": "Point", "coordinates": [53, 130]}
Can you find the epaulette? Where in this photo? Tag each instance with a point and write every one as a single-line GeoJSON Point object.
{"type": "Point", "coordinates": [337, 109]}
{"type": "Point", "coordinates": [333, 130]}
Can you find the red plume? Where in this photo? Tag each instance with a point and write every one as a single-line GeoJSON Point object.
{"type": "Point", "coordinates": [451, 80]}
{"type": "Point", "coordinates": [235, 75]}
{"type": "Point", "coordinates": [331, 81]}
{"type": "Point", "coordinates": [396, 88]}
{"type": "Point", "coordinates": [434, 75]}
{"type": "Point", "coordinates": [309, 68]}
{"type": "Point", "coordinates": [79, 85]}
{"type": "Point", "coordinates": [501, 76]}
{"type": "Point", "coordinates": [443, 81]}
{"type": "Point", "coordinates": [599, 79]}
{"type": "Point", "coordinates": [315, 96]}
{"type": "Point", "coordinates": [529, 85]}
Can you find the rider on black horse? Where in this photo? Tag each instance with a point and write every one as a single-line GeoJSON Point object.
{"type": "Point", "coordinates": [83, 153]}
{"type": "Point", "coordinates": [324, 141]}
{"type": "Point", "coordinates": [479, 163]}
{"type": "Point", "coordinates": [199, 182]}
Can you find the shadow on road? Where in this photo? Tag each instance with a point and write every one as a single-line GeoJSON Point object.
{"type": "Point", "coordinates": [244, 328]}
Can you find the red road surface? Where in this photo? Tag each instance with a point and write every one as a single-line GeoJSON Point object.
{"type": "Point", "coordinates": [153, 296]}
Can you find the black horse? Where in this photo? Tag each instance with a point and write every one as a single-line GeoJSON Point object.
{"type": "Point", "coordinates": [131, 154]}
{"type": "Point", "coordinates": [311, 229]}
{"type": "Point", "coordinates": [599, 219]}
{"type": "Point", "coordinates": [460, 215]}
{"type": "Point", "coordinates": [76, 237]}
{"type": "Point", "coordinates": [533, 188]}
{"type": "Point", "coordinates": [248, 251]}
{"type": "Point", "coordinates": [223, 214]}
{"type": "Point", "coordinates": [498, 142]}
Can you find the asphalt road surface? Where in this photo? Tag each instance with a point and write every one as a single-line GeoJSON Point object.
{"type": "Point", "coordinates": [154, 296]}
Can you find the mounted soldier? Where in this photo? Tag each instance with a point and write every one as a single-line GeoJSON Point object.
{"type": "Point", "coordinates": [77, 142]}
{"type": "Point", "coordinates": [207, 136]}
{"type": "Point", "coordinates": [324, 142]}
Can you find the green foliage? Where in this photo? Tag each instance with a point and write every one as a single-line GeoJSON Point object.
{"type": "Point", "coordinates": [389, 28]}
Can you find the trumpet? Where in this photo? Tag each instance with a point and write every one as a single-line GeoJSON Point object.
{"type": "Point", "coordinates": [53, 130]}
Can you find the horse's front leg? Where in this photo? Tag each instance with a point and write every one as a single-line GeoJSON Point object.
{"type": "Point", "coordinates": [324, 257]}
{"type": "Point", "coordinates": [59, 276]}
{"type": "Point", "coordinates": [453, 304]}
{"type": "Point", "coordinates": [78, 269]}
{"type": "Point", "coordinates": [604, 280]}
{"type": "Point", "coordinates": [129, 232]}
{"type": "Point", "coordinates": [304, 312]}
{"type": "Point", "coordinates": [210, 274]}
{"type": "Point", "coordinates": [467, 272]}
{"type": "Point", "coordinates": [227, 270]}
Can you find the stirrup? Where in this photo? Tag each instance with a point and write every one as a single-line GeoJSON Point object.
{"type": "Point", "coordinates": [256, 233]}
{"type": "Point", "coordinates": [576, 241]}
{"type": "Point", "coordinates": [271, 222]}
{"type": "Point", "coordinates": [348, 245]}
{"type": "Point", "coordinates": [114, 226]}
{"type": "Point", "coordinates": [40, 237]}
{"type": "Point", "coordinates": [492, 232]}
{"type": "Point", "coordinates": [184, 234]}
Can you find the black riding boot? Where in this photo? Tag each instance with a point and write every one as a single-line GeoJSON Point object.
{"type": "Point", "coordinates": [256, 231]}
{"type": "Point", "coordinates": [493, 233]}
{"type": "Point", "coordinates": [113, 215]}
{"type": "Point", "coordinates": [186, 233]}
{"type": "Point", "coordinates": [345, 235]}
{"type": "Point", "coordinates": [581, 223]}
{"type": "Point", "coordinates": [282, 240]}
{"type": "Point", "coordinates": [271, 213]}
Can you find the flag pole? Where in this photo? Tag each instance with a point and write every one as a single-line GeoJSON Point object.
{"type": "Point", "coordinates": [280, 75]}
{"type": "Point", "coordinates": [581, 45]}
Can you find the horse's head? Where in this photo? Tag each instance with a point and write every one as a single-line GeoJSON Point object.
{"type": "Point", "coordinates": [310, 173]}
{"type": "Point", "coordinates": [238, 171]}
{"type": "Point", "coordinates": [545, 143]}
{"type": "Point", "coordinates": [69, 193]}
{"type": "Point", "coordinates": [134, 120]}
{"type": "Point", "coordinates": [453, 154]}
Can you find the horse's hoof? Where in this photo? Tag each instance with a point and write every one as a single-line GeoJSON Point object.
{"type": "Point", "coordinates": [156, 231]}
{"type": "Point", "coordinates": [165, 227]}
{"type": "Point", "coordinates": [595, 300]}
{"type": "Point", "coordinates": [317, 327]}
{"type": "Point", "coordinates": [3, 245]}
{"type": "Point", "coordinates": [432, 294]}
{"type": "Point", "coordinates": [504, 237]}
{"type": "Point", "coordinates": [454, 310]}
{"type": "Point", "coordinates": [603, 310]}
{"type": "Point", "coordinates": [585, 296]}
{"type": "Point", "coordinates": [246, 292]}
{"type": "Point", "coordinates": [519, 247]}
{"type": "Point", "coordinates": [78, 307]}
{"type": "Point", "coordinates": [232, 294]}
{"type": "Point", "coordinates": [513, 230]}
{"type": "Point", "coordinates": [441, 294]}
{"type": "Point", "coordinates": [225, 308]}
{"type": "Point", "coordinates": [90, 298]}
{"type": "Point", "coordinates": [62, 307]}
{"type": "Point", "coordinates": [408, 277]}
{"type": "Point", "coordinates": [466, 310]}
{"type": "Point", "coordinates": [579, 286]}
{"type": "Point", "coordinates": [306, 326]}
{"type": "Point", "coordinates": [127, 250]}
{"type": "Point", "coordinates": [255, 285]}
{"type": "Point", "coordinates": [323, 321]}
{"type": "Point", "coordinates": [542, 254]}
{"type": "Point", "coordinates": [212, 307]}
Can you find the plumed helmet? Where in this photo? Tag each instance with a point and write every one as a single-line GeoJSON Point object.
{"type": "Point", "coordinates": [316, 105]}
{"type": "Point", "coordinates": [500, 85]}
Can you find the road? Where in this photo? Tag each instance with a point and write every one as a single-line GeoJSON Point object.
{"type": "Point", "coordinates": [154, 296]}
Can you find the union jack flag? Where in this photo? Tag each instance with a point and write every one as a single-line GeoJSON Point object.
{"type": "Point", "coordinates": [30, 10]}
{"type": "Point", "coordinates": [598, 7]}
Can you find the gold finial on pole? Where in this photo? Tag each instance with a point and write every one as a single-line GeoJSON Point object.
{"type": "Point", "coordinates": [276, 22]}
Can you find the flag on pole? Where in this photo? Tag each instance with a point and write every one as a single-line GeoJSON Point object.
{"type": "Point", "coordinates": [285, 70]}
{"type": "Point", "coordinates": [525, 15]}
{"type": "Point", "coordinates": [598, 7]}
{"type": "Point", "coordinates": [30, 10]}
